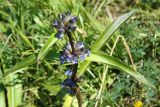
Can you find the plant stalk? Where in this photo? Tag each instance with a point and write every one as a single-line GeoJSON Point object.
{"type": "Point", "coordinates": [74, 71]}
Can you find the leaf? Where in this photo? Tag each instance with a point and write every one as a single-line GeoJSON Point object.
{"type": "Point", "coordinates": [68, 101]}
{"type": "Point", "coordinates": [105, 36]}
{"type": "Point", "coordinates": [36, 19]}
{"type": "Point", "coordinates": [45, 49]}
{"type": "Point", "coordinates": [110, 30]}
{"type": "Point", "coordinates": [22, 64]}
{"type": "Point", "coordinates": [14, 91]}
{"type": "Point", "coordinates": [54, 89]}
{"type": "Point", "coordinates": [42, 25]}
{"type": "Point", "coordinates": [2, 94]}
{"type": "Point", "coordinates": [3, 28]}
{"type": "Point", "coordinates": [103, 58]}
{"type": "Point", "coordinates": [24, 37]}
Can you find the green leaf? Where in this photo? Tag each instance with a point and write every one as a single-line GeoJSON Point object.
{"type": "Point", "coordinates": [105, 36]}
{"type": "Point", "coordinates": [22, 64]}
{"type": "Point", "coordinates": [2, 94]}
{"type": "Point", "coordinates": [110, 30]}
{"type": "Point", "coordinates": [42, 25]}
{"type": "Point", "coordinates": [24, 37]}
{"type": "Point", "coordinates": [103, 58]}
{"type": "Point", "coordinates": [54, 89]}
{"type": "Point", "coordinates": [14, 91]}
{"type": "Point", "coordinates": [45, 49]}
{"type": "Point", "coordinates": [68, 101]}
{"type": "Point", "coordinates": [3, 28]}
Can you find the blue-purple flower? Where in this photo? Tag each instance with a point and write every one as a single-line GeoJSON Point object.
{"type": "Point", "coordinates": [80, 53]}
{"type": "Point", "coordinates": [69, 83]}
{"type": "Point", "coordinates": [68, 72]}
{"type": "Point", "coordinates": [65, 23]}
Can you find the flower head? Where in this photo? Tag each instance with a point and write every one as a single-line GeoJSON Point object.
{"type": "Point", "coordinates": [65, 23]}
{"type": "Point", "coordinates": [138, 104]}
{"type": "Point", "coordinates": [80, 53]}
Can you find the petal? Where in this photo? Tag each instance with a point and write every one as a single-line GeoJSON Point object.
{"type": "Point", "coordinates": [62, 59]}
{"type": "Point", "coordinates": [82, 57]}
{"type": "Point", "coordinates": [79, 45]}
{"type": "Point", "coordinates": [56, 24]}
{"type": "Point", "coordinates": [68, 72]}
{"type": "Point", "coordinates": [68, 47]}
{"type": "Point", "coordinates": [73, 19]}
{"type": "Point", "coordinates": [74, 60]}
{"type": "Point", "coordinates": [60, 30]}
{"type": "Point", "coordinates": [59, 35]}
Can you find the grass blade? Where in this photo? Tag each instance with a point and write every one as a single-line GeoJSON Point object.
{"type": "Point", "coordinates": [68, 101]}
{"type": "Point", "coordinates": [22, 64]}
{"type": "Point", "coordinates": [2, 95]}
{"type": "Point", "coordinates": [45, 49]}
{"type": "Point", "coordinates": [24, 37]}
{"type": "Point", "coordinates": [14, 91]}
{"type": "Point", "coordinates": [103, 58]}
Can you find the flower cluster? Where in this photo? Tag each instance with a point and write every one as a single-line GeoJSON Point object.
{"type": "Point", "coordinates": [72, 52]}
{"type": "Point", "coordinates": [65, 23]}
{"type": "Point", "coordinates": [79, 53]}
{"type": "Point", "coordinates": [69, 83]}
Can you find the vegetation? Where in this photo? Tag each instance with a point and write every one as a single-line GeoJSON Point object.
{"type": "Point", "coordinates": [122, 70]}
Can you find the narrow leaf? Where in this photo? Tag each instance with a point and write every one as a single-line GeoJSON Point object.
{"type": "Point", "coordinates": [68, 101]}
{"type": "Point", "coordinates": [22, 64]}
{"type": "Point", "coordinates": [110, 30]}
{"type": "Point", "coordinates": [103, 58]}
{"type": "Point", "coordinates": [45, 49]}
{"type": "Point", "coordinates": [14, 91]}
{"type": "Point", "coordinates": [54, 89]}
{"type": "Point", "coordinates": [36, 19]}
{"type": "Point", "coordinates": [2, 94]}
{"type": "Point", "coordinates": [105, 36]}
{"type": "Point", "coordinates": [24, 37]}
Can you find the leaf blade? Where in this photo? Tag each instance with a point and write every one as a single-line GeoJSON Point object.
{"type": "Point", "coordinates": [25, 38]}
{"type": "Point", "coordinates": [45, 49]}
{"type": "Point", "coordinates": [105, 36]}
{"type": "Point", "coordinates": [22, 64]}
{"type": "Point", "coordinates": [2, 94]}
{"type": "Point", "coordinates": [14, 91]}
{"type": "Point", "coordinates": [110, 30]}
{"type": "Point", "coordinates": [103, 58]}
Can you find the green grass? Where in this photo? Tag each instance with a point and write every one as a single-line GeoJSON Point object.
{"type": "Point", "coordinates": [30, 70]}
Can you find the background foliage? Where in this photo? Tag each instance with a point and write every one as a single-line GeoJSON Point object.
{"type": "Point", "coordinates": [26, 25]}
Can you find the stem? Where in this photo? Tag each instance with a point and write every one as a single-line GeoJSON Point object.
{"type": "Point", "coordinates": [78, 95]}
{"type": "Point", "coordinates": [74, 72]}
{"type": "Point", "coordinates": [75, 66]}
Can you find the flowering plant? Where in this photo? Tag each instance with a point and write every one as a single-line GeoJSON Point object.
{"type": "Point", "coordinates": [72, 52]}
